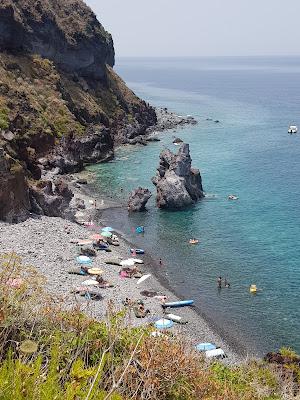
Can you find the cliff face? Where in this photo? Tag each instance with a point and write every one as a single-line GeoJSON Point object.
{"type": "Point", "coordinates": [61, 103]}
{"type": "Point", "coordinates": [66, 32]}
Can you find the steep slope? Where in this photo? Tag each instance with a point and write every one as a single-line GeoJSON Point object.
{"type": "Point", "coordinates": [61, 103]}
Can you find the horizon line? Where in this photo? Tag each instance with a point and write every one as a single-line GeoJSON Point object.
{"type": "Point", "coordinates": [210, 56]}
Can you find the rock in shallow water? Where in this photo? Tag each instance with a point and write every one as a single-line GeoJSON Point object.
{"type": "Point", "coordinates": [138, 199]}
{"type": "Point", "coordinates": [178, 185]}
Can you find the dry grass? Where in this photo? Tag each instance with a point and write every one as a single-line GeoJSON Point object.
{"type": "Point", "coordinates": [80, 358]}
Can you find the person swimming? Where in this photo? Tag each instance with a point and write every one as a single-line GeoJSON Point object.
{"type": "Point", "coordinates": [226, 283]}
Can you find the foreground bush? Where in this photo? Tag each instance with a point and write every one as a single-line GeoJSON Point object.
{"type": "Point", "coordinates": [48, 352]}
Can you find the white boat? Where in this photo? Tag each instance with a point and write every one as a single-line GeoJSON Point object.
{"type": "Point", "coordinates": [293, 129]}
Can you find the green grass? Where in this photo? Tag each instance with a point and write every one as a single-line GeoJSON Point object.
{"type": "Point", "coordinates": [4, 119]}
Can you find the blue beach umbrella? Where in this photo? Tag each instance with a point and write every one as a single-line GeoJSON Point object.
{"type": "Point", "coordinates": [205, 346]}
{"type": "Point", "coordinates": [140, 229]}
{"type": "Point", "coordinates": [107, 229]}
{"type": "Point", "coordinates": [163, 324]}
{"type": "Point", "coordinates": [84, 260]}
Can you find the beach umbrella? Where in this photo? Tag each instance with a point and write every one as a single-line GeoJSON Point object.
{"type": "Point", "coordinates": [205, 346]}
{"type": "Point", "coordinates": [143, 278]}
{"type": "Point", "coordinates": [95, 271]}
{"type": "Point", "coordinates": [107, 229]}
{"type": "Point", "coordinates": [163, 324]}
{"type": "Point", "coordinates": [96, 236]}
{"type": "Point", "coordinates": [139, 229]}
{"type": "Point", "coordinates": [127, 263]}
{"type": "Point", "coordinates": [84, 260]}
{"type": "Point", "coordinates": [106, 234]}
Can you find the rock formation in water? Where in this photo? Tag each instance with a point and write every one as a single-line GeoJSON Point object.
{"type": "Point", "coordinates": [178, 185]}
{"type": "Point", "coordinates": [138, 199]}
{"type": "Point", "coordinates": [61, 103]}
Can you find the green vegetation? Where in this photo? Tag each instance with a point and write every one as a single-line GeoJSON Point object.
{"type": "Point", "coordinates": [4, 119]}
{"type": "Point", "coordinates": [49, 353]}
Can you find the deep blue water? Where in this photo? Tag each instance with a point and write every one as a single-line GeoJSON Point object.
{"type": "Point", "coordinates": [252, 240]}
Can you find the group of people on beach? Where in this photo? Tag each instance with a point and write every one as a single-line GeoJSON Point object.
{"type": "Point", "coordinates": [220, 282]}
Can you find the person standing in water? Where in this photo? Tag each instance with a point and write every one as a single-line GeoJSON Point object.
{"type": "Point", "coordinates": [219, 282]}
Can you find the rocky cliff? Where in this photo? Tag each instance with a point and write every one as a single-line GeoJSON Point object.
{"type": "Point", "coordinates": [178, 185]}
{"type": "Point", "coordinates": [61, 103]}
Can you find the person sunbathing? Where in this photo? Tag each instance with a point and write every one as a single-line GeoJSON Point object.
{"type": "Point", "coordinates": [140, 311]}
{"type": "Point", "coordinates": [103, 283]}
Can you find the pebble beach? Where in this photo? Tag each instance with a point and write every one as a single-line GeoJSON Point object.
{"type": "Point", "coordinates": [49, 245]}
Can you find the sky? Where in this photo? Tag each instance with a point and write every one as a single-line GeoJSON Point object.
{"type": "Point", "coordinates": [169, 28]}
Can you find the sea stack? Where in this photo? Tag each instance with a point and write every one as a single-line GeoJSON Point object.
{"type": "Point", "coordinates": [138, 199]}
{"type": "Point", "coordinates": [178, 185]}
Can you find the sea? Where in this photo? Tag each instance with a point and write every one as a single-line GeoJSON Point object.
{"type": "Point", "coordinates": [249, 153]}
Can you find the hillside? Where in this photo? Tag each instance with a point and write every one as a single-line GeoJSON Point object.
{"type": "Point", "coordinates": [61, 103]}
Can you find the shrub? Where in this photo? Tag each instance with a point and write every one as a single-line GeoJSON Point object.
{"type": "Point", "coordinates": [71, 356]}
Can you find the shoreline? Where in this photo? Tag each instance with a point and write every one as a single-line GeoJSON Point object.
{"type": "Point", "coordinates": [224, 340]}
{"type": "Point", "coordinates": [47, 243]}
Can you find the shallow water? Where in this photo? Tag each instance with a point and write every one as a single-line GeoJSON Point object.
{"type": "Point", "coordinates": [249, 153]}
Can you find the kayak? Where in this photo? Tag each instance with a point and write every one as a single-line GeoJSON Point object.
{"type": "Point", "coordinates": [181, 303]}
{"type": "Point", "coordinates": [137, 251]}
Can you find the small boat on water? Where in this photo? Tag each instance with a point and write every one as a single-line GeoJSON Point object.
{"type": "Point", "coordinates": [232, 197]}
{"type": "Point", "coordinates": [193, 241]}
{"type": "Point", "coordinates": [137, 251]}
{"type": "Point", "coordinates": [180, 303]}
{"type": "Point", "coordinates": [293, 129]}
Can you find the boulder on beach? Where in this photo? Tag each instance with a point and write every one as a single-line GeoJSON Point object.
{"type": "Point", "coordinates": [178, 185]}
{"type": "Point", "coordinates": [138, 199]}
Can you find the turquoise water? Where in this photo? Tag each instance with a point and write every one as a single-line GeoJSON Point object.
{"type": "Point", "coordinates": [252, 240]}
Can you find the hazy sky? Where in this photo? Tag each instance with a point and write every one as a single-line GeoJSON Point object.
{"type": "Point", "coordinates": [201, 27]}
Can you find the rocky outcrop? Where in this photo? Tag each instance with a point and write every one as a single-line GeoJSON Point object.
{"type": "Point", "coordinates": [75, 152]}
{"type": "Point", "coordinates": [178, 185]}
{"type": "Point", "coordinates": [51, 198]}
{"type": "Point", "coordinates": [169, 120]}
{"type": "Point", "coordinates": [138, 199]}
{"type": "Point", "coordinates": [66, 32]}
{"type": "Point", "coordinates": [14, 190]}
{"type": "Point", "coordinates": [61, 103]}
